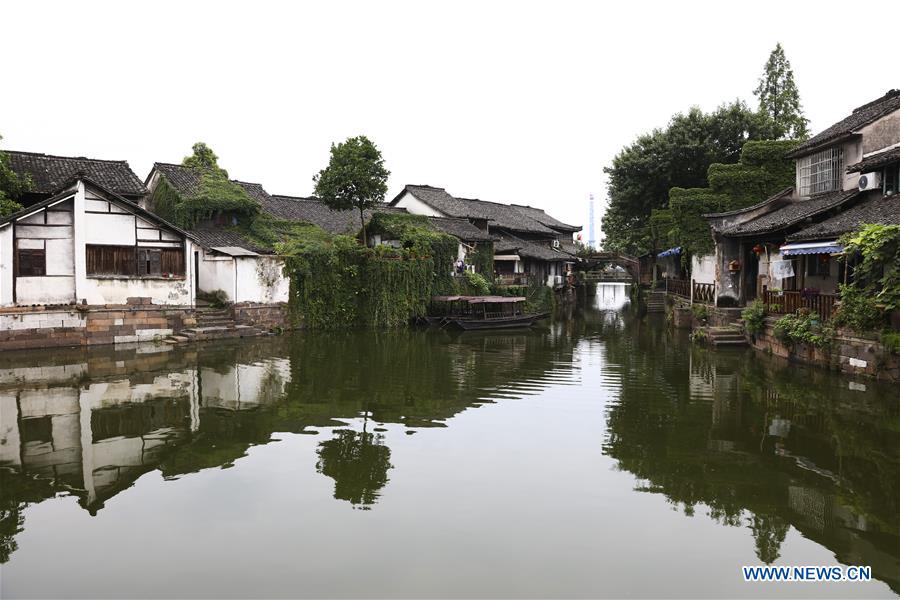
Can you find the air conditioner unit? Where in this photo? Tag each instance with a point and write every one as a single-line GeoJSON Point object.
{"type": "Point", "coordinates": [556, 243]}
{"type": "Point", "coordinates": [869, 181]}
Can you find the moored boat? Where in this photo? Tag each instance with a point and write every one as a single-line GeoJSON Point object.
{"type": "Point", "coordinates": [482, 312]}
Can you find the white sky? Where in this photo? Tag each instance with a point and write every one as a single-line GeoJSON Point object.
{"type": "Point", "coordinates": [504, 101]}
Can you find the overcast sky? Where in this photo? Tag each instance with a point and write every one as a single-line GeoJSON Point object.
{"type": "Point", "coordinates": [504, 101]}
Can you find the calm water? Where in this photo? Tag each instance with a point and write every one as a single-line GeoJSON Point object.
{"type": "Point", "coordinates": [601, 456]}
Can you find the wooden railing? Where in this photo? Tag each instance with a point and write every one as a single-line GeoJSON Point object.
{"type": "Point", "coordinates": [679, 287]}
{"type": "Point", "coordinates": [704, 293]}
{"type": "Point", "coordinates": [512, 279]}
{"type": "Point", "coordinates": [787, 303]}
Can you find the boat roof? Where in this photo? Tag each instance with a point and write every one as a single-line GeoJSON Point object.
{"type": "Point", "coordinates": [479, 299]}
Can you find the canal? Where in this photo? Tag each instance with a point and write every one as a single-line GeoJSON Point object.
{"type": "Point", "coordinates": [599, 456]}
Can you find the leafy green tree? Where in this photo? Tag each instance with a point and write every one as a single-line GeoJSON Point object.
{"type": "Point", "coordinates": [12, 186]}
{"type": "Point", "coordinates": [203, 157]}
{"type": "Point", "coordinates": [779, 97]}
{"type": "Point", "coordinates": [678, 156]}
{"type": "Point", "coordinates": [354, 178]}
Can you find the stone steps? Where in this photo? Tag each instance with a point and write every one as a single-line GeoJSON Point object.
{"type": "Point", "coordinates": [726, 336]}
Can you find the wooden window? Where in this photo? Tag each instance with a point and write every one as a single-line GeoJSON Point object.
{"type": "Point", "coordinates": [110, 260]}
{"type": "Point", "coordinates": [172, 262]}
{"type": "Point", "coordinates": [128, 261]}
{"type": "Point", "coordinates": [149, 262]}
{"type": "Point", "coordinates": [31, 262]}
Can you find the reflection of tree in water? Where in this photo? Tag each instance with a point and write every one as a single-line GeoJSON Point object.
{"type": "Point", "coordinates": [358, 462]}
{"type": "Point", "coordinates": [769, 532]}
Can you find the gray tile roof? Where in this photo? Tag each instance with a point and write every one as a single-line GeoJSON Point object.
{"type": "Point", "coordinates": [861, 116]}
{"type": "Point", "coordinates": [791, 214]}
{"type": "Point", "coordinates": [884, 210]}
{"type": "Point", "coordinates": [499, 215]}
{"type": "Point", "coordinates": [528, 249]}
{"type": "Point", "coordinates": [212, 237]}
{"type": "Point", "coordinates": [460, 228]}
{"type": "Point", "coordinates": [49, 173]}
{"type": "Point", "coordinates": [539, 215]}
{"type": "Point", "coordinates": [875, 161]}
{"type": "Point", "coordinates": [313, 210]}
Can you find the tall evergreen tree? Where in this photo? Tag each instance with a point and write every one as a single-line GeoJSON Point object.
{"type": "Point", "coordinates": [779, 97]}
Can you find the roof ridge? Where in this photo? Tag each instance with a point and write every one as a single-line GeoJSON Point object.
{"type": "Point", "coordinates": [106, 160]}
{"type": "Point", "coordinates": [891, 94]}
{"type": "Point", "coordinates": [425, 185]}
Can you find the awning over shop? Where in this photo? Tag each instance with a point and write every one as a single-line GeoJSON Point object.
{"type": "Point", "coordinates": [669, 252]}
{"type": "Point", "coordinates": [831, 247]}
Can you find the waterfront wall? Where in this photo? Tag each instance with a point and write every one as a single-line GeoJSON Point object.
{"type": "Point", "coordinates": [55, 326]}
{"type": "Point", "coordinates": [848, 354]}
{"type": "Point", "coordinates": [267, 316]}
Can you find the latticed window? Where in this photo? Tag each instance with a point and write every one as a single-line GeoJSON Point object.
{"type": "Point", "coordinates": [822, 171]}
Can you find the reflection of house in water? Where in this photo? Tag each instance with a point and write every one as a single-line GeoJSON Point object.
{"type": "Point", "coordinates": [96, 438]}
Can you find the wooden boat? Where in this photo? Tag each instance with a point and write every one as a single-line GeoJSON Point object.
{"type": "Point", "coordinates": [483, 312]}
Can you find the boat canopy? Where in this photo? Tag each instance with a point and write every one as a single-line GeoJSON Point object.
{"type": "Point", "coordinates": [479, 299]}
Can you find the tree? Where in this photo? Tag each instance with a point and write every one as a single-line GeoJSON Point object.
{"type": "Point", "coordinates": [779, 97]}
{"type": "Point", "coordinates": [354, 178]}
{"type": "Point", "coordinates": [12, 186]}
{"type": "Point", "coordinates": [203, 158]}
{"type": "Point", "coordinates": [678, 156]}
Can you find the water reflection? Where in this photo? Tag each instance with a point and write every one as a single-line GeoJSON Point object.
{"type": "Point", "coordinates": [735, 438]}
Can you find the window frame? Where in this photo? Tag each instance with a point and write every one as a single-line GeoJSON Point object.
{"type": "Point", "coordinates": [821, 171]}
{"type": "Point", "coordinates": [31, 252]}
{"type": "Point", "coordinates": [145, 262]}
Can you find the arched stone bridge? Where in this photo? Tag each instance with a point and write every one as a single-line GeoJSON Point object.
{"type": "Point", "coordinates": [596, 260]}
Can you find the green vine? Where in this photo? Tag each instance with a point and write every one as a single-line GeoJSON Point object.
{"type": "Point", "coordinates": [482, 257]}
{"type": "Point", "coordinates": [336, 283]}
{"type": "Point", "coordinates": [754, 317]}
{"type": "Point", "coordinates": [803, 327]}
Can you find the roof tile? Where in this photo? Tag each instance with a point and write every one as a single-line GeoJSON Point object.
{"type": "Point", "coordinates": [49, 173]}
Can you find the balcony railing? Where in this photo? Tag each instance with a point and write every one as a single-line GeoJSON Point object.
{"type": "Point", "coordinates": [678, 287]}
{"type": "Point", "coordinates": [704, 293]}
{"type": "Point", "coordinates": [787, 303]}
{"type": "Point", "coordinates": [512, 279]}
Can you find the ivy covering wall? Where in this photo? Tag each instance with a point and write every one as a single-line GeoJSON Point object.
{"type": "Point", "coordinates": [762, 172]}
{"type": "Point", "coordinates": [337, 283]}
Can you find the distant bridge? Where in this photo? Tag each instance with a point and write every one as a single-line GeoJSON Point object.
{"type": "Point", "coordinates": [593, 262]}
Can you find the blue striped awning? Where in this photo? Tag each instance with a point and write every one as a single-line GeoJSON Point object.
{"type": "Point", "coordinates": [831, 247]}
{"type": "Point", "coordinates": [669, 252]}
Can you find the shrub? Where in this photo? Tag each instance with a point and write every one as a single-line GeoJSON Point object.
{"type": "Point", "coordinates": [699, 336]}
{"type": "Point", "coordinates": [477, 285]}
{"type": "Point", "coordinates": [891, 342]}
{"type": "Point", "coordinates": [858, 310]}
{"type": "Point", "coordinates": [700, 312]}
{"type": "Point", "coordinates": [754, 316]}
{"type": "Point", "coordinates": [802, 327]}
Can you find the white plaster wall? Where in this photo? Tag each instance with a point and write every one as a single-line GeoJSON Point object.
{"type": "Point", "coordinates": [216, 273]}
{"type": "Point", "coordinates": [883, 133]}
{"type": "Point", "coordinates": [117, 291]}
{"type": "Point", "coordinates": [45, 290]}
{"type": "Point", "coordinates": [110, 229]}
{"type": "Point", "coordinates": [260, 279]}
{"type": "Point", "coordinates": [6, 266]}
{"type": "Point", "coordinates": [417, 207]}
{"type": "Point", "coordinates": [703, 268]}
{"type": "Point", "coordinates": [853, 153]}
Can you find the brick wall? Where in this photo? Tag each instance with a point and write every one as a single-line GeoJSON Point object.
{"type": "Point", "coordinates": [267, 316]}
{"type": "Point", "coordinates": [69, 325]}
{"type": "Point", "coordinates": [848, 353]}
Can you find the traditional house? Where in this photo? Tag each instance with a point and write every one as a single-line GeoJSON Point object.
{"type": "Point", "coordinates": [528, 243]}
{"type": "Point", "coordinates": [785, 244]}
{"type": "Point", "coordinates": [226, 260]}
{"type": "Point", "coordinates": [81, 238]}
